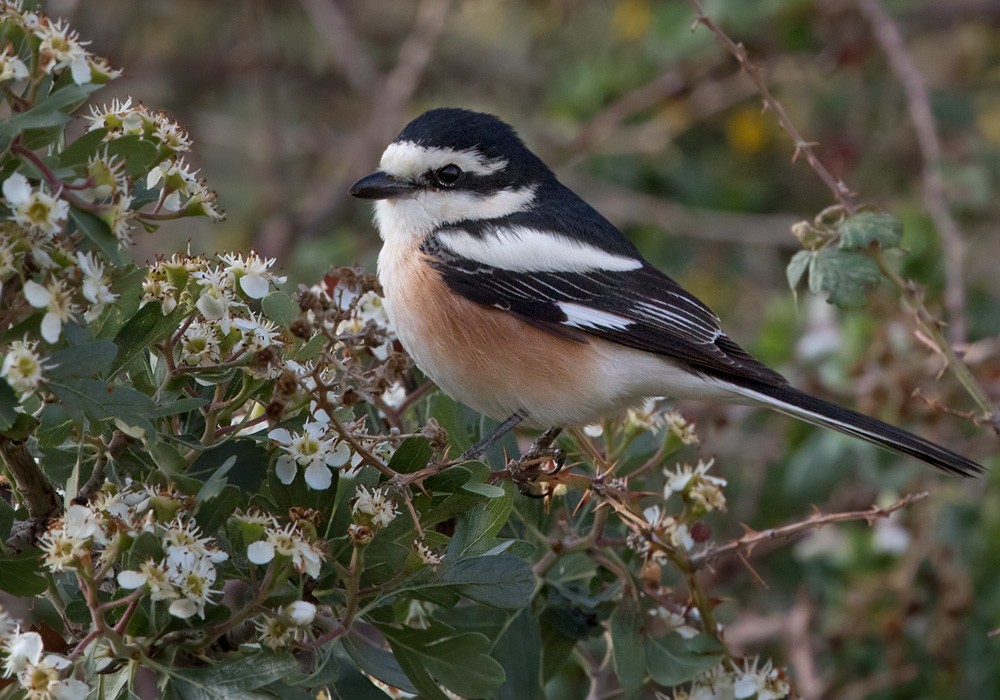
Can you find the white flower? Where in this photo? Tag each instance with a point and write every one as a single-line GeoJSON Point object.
{"type": "Point", "coordinates": [253, 273]}
{"type": "Point", "coordinates": [41, 680]}
{"type": "Point", "coordinates": [217, 298]}
{"type": "Point", "coordinates": [200, 345]}
{"type": "Point", "coordinates": [170, 134]}
{"type": "Point", "coordinates": [36, 210]}
{"type": "Point", "coordinates": [60, 49]}
{"type": "Point", "coordinates": [300, 613]}
{"type": "Point", "coordinates": [645, 417]}
{"type": "Point", "coordinates": [696, 485]}
{"type": "Point", "coordinates": [258, 332]}
{"type": "Point", "coordinates": [177, 180]}
{"type": "Point", "coordinates": [426, 555]}
{"type": "Point", "coordinates": [67, 541]}
{"type": "Point", "coordinates": [764, 683]}
{"type": "Point", "coordinates": [120, 117]}
{"type": "Point", "coordinates": [95, 285]}
{"type": "Point", "coordinates": [58, 303]}
{"type": "Point", "coordinates": [312, 450]}
{"type": "Point", "coordinates": [182, 539]}
{"type": "Point", "coordinates": [23, 649]}
{"type": "Point", "coordinates": [11, 67]}
{"type": "Point", "coordinates": [371, 307]}
{"type": "Point", "coordinates": [288, 541]}
{"type": "Point", "coordinates": [22, 366]}
{"type": "Point", "coordinates": [151, 574]}
{"type": "Point", "coordinates": [8, 627]}
{"type": "Point", "coordinates": [380, 510]}
{"type": "Point", "coordinates": [681, 427]}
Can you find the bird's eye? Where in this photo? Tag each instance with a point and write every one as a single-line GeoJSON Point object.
{"type": "Point", "coordinates": [448, 175]}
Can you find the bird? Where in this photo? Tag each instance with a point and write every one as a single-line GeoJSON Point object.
{"type": "Point", "coordinates": [521, 301]}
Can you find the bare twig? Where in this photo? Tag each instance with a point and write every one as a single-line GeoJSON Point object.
{"type": "Point", "coordinates": [842, 193]}
{"type": "Point", "coordinates": [935, 200]}
{"type": "Point", "coordinates": [36, 490]}
{"type": "Point", "coordinates": [752, 538]}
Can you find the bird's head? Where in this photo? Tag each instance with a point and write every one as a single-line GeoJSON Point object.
{"type": "Point", "coordinates": [448, 166]}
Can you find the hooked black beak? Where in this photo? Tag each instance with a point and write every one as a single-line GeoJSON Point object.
{"type": "Point", "coordinates": [380, 185]}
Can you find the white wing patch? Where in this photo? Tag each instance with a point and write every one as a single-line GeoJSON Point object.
{"type": "Point", "coordinates": [522, 249]}
{"type": "Point", "coordinates": [580, 316]}
{"type": "Point", "coordinates": [410, 160]}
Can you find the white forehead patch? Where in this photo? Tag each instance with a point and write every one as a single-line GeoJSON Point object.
{"type": "Point", "coordinates": [522, 249]}
{"type": "Point", "coordinates": [410, 160]}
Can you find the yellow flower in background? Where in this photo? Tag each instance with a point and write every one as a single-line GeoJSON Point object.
{"type": "Point", "coordinates": [747, 130]}
{"type": "Point", "coordinates": [631, 18]}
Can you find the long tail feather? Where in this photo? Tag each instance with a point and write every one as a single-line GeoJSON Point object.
{"type": "Point", "coordinates": [797, 404]}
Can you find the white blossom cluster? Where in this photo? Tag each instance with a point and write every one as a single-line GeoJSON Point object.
{"type": "Point", "coordinates": [315, 449]}
{"type": "Point", "coordinates": [40, 676]}
{"type": "Point", "coordinates": [696, 486]}
{"type": "Point", "coordinates": [225, 328]}
{"type": "Point", "coordinates": [732, 681]}
{"type": "Point", "coordinates": [290, 542]}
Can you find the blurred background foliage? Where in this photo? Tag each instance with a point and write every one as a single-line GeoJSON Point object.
{"type": "Point", "coordinates": [290, 101]}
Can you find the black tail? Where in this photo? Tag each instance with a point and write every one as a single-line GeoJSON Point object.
{"type": "Point", "coordinates": [800, 405]}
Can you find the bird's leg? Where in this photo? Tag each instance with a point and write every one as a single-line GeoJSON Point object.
{"type": "Point", "coordinates": [541, 451]}
{"type": "Point", "coordinates": [489, 440]}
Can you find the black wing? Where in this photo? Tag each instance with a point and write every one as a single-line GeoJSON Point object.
{"type": "Point", "coordinates": [641, 308]}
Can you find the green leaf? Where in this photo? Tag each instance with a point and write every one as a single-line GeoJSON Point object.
{"type": "Point", "coordinates": [83, 149]}
{"type": "Point", "coordinates": [250, 459]}
{"type": "Point", "coordinates": [50, 111]}
{"type": "Point", "coordinates": [280, 308]}
{"type": "Point", "coordinates": [99, 233]}
{"type": "Point", "coordinates": [233, 679]}
{"type": "Point", "coordinates": [870, 229]}
{"type": "Point", "coordinates": [139, 154]}
{"type": "Point", "coordinates": [486, 490]}
{"type": "Point", "coordinates": [213, 485]}
{"type": "Point", "coordinates": [500, 581]}
{"type": "Point", "coordinates": [8, 402]}
{"type": "Point", "coordinates": [626, 641]}
{"type": "Point", "coordinates": [55, 426]}
{"type": "Point", "coordinates": [845, 275]}
{"type": "Point", "coordinates": [797, 267]}
{"type": "Point", "coordinates": [412, 455]}
{"type": "Point", "coordinates": [479, 524]}
{"type": "Point", "coordinates": [673, 660]}
{"type": "Point", "coordinates": [460, 662]}
{"type": "Point", "coordinates": [99, 400]}
{"type": "Point", "coordinates": [448, 413]}
{"type": "Point", "coordinates": [85, 360]}
{"type": "Point", "coordinates": [147, 327]}
{"type": "Point", "coordinates": [377, 662]}
{"type": "Point", "coordinates": [519, 652]}
{"type": "Point", "coordinates": [22, 574]}
{"type": "Point", "coordinates": [211, 513]}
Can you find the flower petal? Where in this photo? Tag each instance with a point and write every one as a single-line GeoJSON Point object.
{"type": "Point", "coordinates": [37, 295]}
{"type": "Point", "coordinates": [260, 552]}
{"type": "Point", "coordinates": [318, 477]}
{"type": "Point", "coordinates": [285, 469]}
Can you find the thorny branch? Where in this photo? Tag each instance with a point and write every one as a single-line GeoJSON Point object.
{"type": "Point", "coordinates": [752, 538]}
{"type": "Point", "coordinates": [802, 147]}
{"type": "Point", "coordinates": [935, 200]}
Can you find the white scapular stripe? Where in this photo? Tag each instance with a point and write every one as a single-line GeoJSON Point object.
{"type": "Point", "coordinates": [521, 249]}
{"type": "Point", "coordinates": [581, 316]}
{"type": "Point", "coordinates": [409, 160]}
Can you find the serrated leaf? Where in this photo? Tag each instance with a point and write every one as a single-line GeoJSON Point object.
{"type": "Point", "coordinates": [797, 267]}
{"type": "Point", "coordinates": [8, 404]}
{"type": "Point", "coordinates": [77, 361]}
{"type": "Point", "coordinates": [479, 524]}
{"type": "Point", "coordinates": [626, 641]}
{"type": "Point", "coordinates": [99, 233]}
{"type": "Point", "coordinates": [280, 308]}
{"type": "Point", "coordinates": [845, 275]}
{"type": "Point", "coordinates": [22, 574]}
{"type": "Point", "coordinates": [412, 455]}
{"type": "Point", "coordinates": [867, 229]}
{"type": "Point", "coordinates": [214, 484]}
{"type": "Point", "coordinates": [673, 660]}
